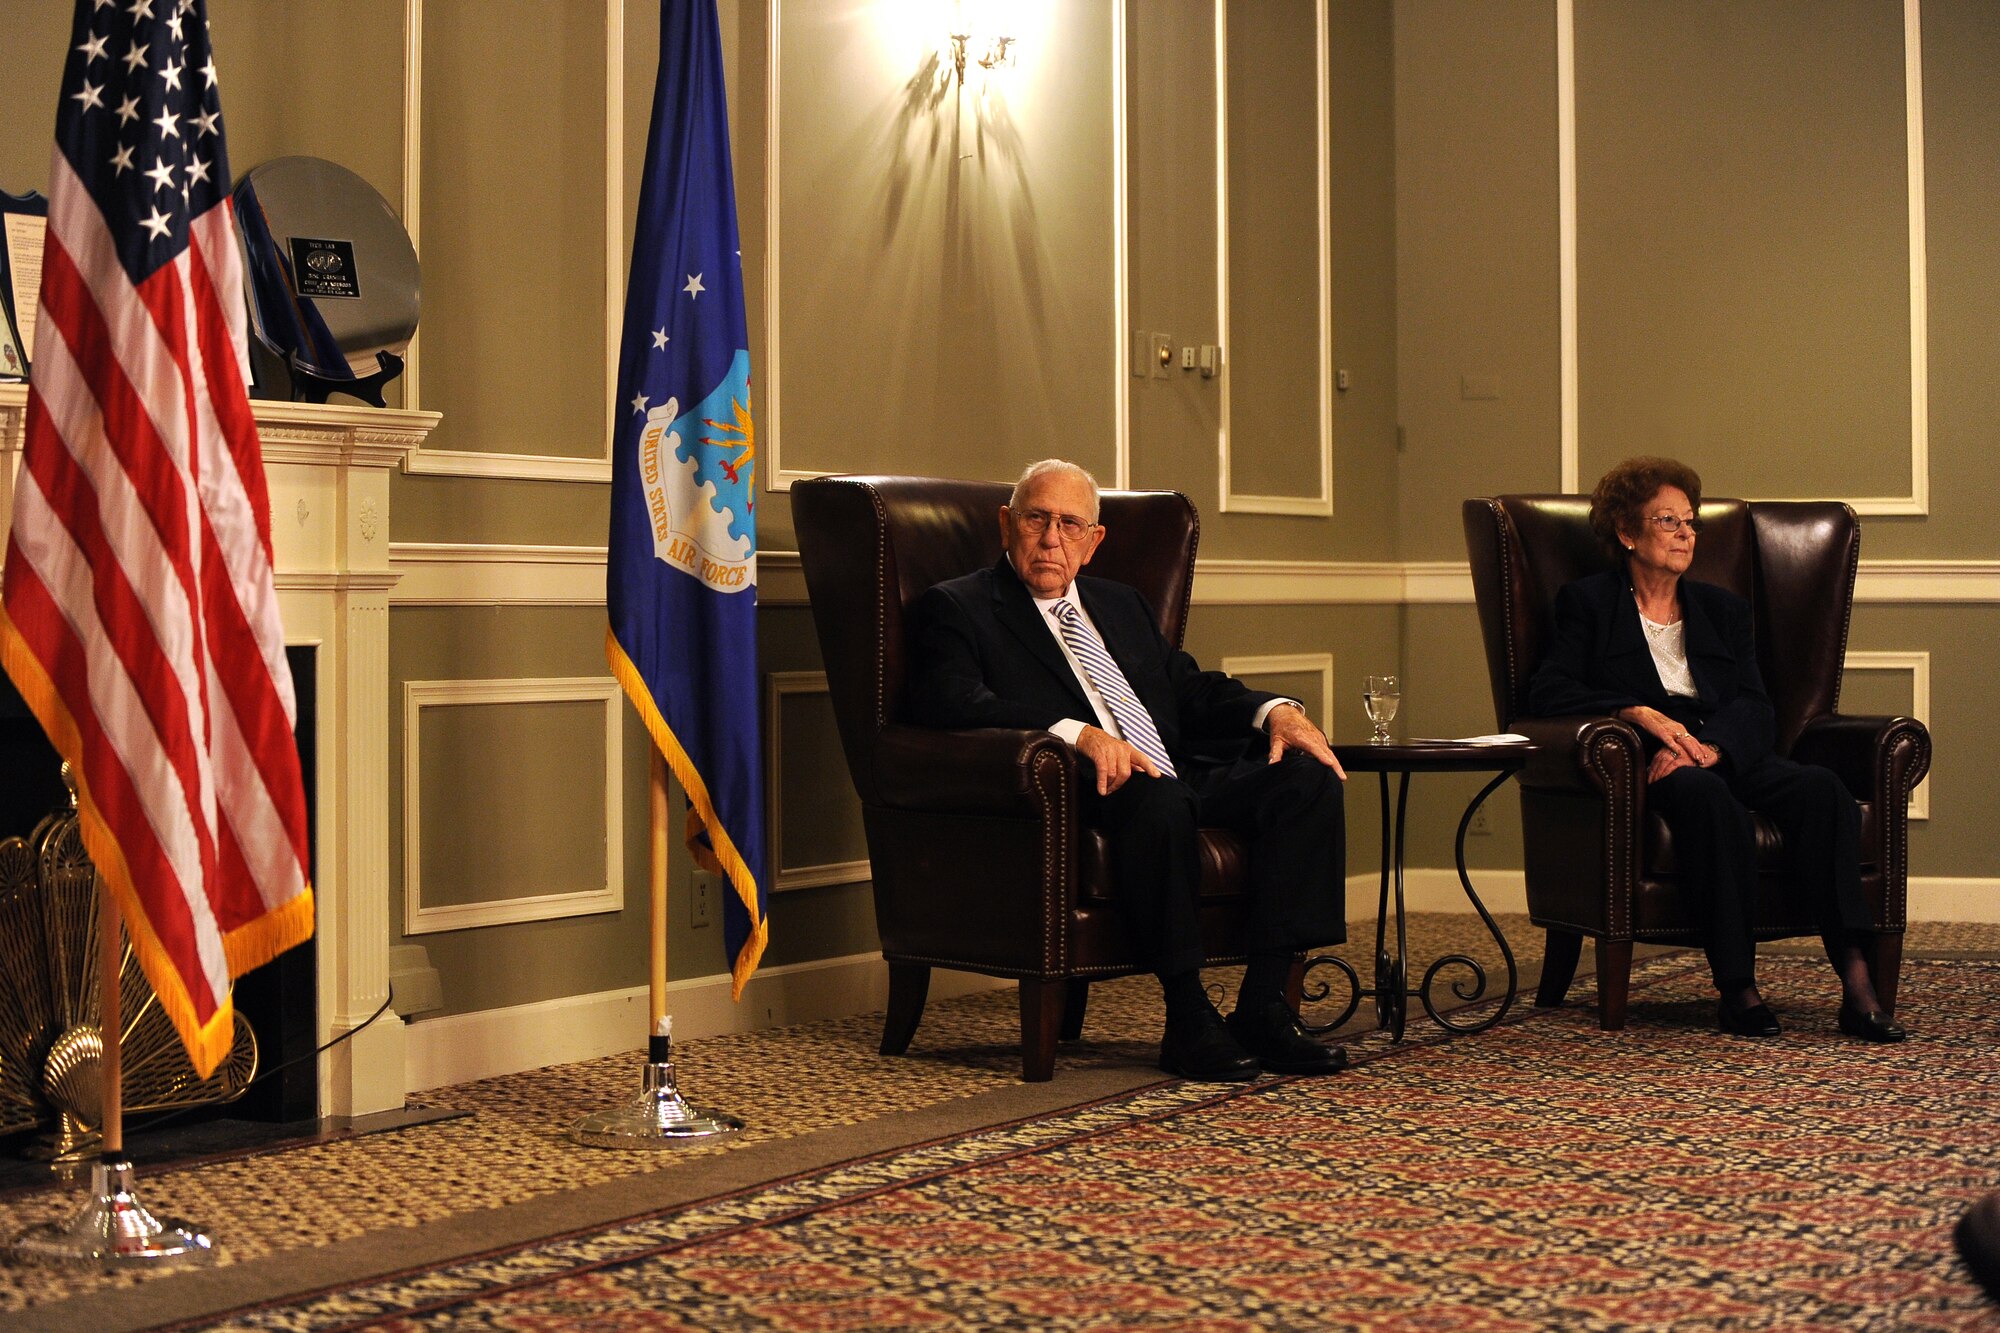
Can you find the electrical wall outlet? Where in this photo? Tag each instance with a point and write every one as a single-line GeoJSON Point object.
{"type": "Point", "coordinates": [705, 888]}
{"type": "Point", "coordinates": [1482, 821]}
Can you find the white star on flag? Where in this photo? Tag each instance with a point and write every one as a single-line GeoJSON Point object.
{"type": "Point", "coordinates": [694, 287]}
{"type": "Point", "coordinates": [638, 404]}
{"type": "Point", "coordinates": [659, 337]}
{"type": "Point", "coordinates": [172, 74]}
{"type": "Point", "coordinates": [135, 55]}
{"type": "Point", "coordinates": [162, 174]}
{"type": "Point", "coordinates": [122, 159]}
{"type": "Point", "coordinates": [157, 224]}
{"type": "Point", "coordinates": [93, 48]}
{"type": "Point", "coordinates": [91, 96]}
{"type": "Point", "coordinates": [170, 125]}
{"type": "Point", "coordinates": [128, 111]}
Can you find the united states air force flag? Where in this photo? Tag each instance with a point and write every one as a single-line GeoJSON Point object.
{"type": "Point", "coordinates": [681, 585]}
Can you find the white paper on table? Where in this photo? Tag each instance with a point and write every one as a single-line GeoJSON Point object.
{"type": "Point", "coordinates": [1499, 738]}
{"type": "Point", "coordinates": [24, 269]}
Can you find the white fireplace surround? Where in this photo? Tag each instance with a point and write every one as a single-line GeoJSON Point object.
{"type": "Point", "coordinates": [328, 467]}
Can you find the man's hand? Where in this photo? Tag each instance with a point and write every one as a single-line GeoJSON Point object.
{"type": "Point", "coordinates": [1114, 759]}
{"type": "Point", "coordinates": [1291, 729]}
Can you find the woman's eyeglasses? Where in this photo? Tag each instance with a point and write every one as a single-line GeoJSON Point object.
{"type": "Point", "coordinates": [1069, 527]}
{"type": "Point", "coordinates": [1673, 523]}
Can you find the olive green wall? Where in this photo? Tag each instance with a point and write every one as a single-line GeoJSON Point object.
{"type": "Point", "coordinates": [947, 267]}
{"type": "Point", "coordinates": [1743, 301]}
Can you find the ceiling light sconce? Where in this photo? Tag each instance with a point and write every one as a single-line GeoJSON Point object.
{"type": "Point", "coordinates": [989, 49]}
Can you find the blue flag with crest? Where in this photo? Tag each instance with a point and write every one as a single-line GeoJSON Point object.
{"type": "Point", "coordinates": [681, 582]}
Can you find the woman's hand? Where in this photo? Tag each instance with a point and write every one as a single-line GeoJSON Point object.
{"type": "Point", "coordinates": [1665, 761]}
{"type": "Point", "coordinates": [1678, 748]}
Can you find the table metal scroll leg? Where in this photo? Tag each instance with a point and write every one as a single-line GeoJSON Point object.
{"type": "Point", "coordinates": [1399, 971]}
{"type": "Point", "coordinates": [1475, 985]}
{"type": "Point", "coordinates": [1383, 989]}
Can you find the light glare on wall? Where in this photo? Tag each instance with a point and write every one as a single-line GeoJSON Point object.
{"type": "Point", "coordinates": [982, 31]}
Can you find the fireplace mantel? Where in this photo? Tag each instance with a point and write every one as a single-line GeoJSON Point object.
{"type": "Point", "coordinates": [328, 468]}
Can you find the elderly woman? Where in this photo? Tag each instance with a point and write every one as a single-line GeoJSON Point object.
{"type": "Point", "coordinates": [1675, 658]}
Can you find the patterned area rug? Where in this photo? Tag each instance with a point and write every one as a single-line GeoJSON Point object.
{"type": "Point", "coordinates": [786, 1082]}
{"type": "Point", "coordinates": [1542, 1175]}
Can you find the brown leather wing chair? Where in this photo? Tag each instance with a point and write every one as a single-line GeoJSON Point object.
{"type": "Point", "coordinates": [979, 861]}
{"type": "Point", "coordinates": [1598, 864]}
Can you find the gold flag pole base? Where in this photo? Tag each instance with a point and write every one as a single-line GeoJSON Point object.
{"type": "Point", "coordinates": [659, 1117]}
{"type": "Point", "coordinates": [115, 1231]}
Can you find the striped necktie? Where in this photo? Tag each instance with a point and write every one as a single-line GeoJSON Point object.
{"type": "Point", "coordinates": [1126, 710]}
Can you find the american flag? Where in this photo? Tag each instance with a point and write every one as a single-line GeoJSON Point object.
{"type": "Point", "coordinates": [138, 615]}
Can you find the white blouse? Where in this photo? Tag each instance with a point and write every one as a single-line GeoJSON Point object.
{"type": "Point", "coordinates": [1669, 647]}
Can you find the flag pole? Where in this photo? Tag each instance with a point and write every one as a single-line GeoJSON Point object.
{"type": "Point", "coordinates": [112, 1228]}
{"type": "Point", "coordinates": [659, 1117]}
{"type": "Point", "coordinates": [110, 1024]}
{"type": "Point", "coordinates": [656, 874]}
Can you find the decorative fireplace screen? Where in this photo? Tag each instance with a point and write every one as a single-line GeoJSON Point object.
{"type": "Point", "coordinates": [51, 1043]}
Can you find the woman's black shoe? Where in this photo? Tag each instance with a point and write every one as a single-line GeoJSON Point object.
{"type": "Point", "coordinates": [1756, 1021]}
{"type": "Point", "coordinates": [1871, 1026]}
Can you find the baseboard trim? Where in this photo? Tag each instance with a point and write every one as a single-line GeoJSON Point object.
{"type": "Point", "coordinates": [459, 1048]}
{"type": "Point", "coordinates": [1938, 898]}
{"type": "Point", "coordinates": [1430, 889]}
{"type": "Point", "coordinates": [1931, 897]}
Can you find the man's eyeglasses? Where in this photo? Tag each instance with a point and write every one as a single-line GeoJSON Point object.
{"type": "Point", "coordinates": [1673, 523]}
{"type": "Point", "coordinates": [1068, 527]}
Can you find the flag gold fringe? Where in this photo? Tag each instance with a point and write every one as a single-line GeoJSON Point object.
{"type": "Point", "coordinates": [726, 860]}
{"type": "Point", "coordinates": [255, 943]}
{"type": "Point", "coordinates": [206, 1043]}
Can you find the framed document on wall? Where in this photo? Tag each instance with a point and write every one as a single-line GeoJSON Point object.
{"type": "Point", "coordinates": [23, 217]}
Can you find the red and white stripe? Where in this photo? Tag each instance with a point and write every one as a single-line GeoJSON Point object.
{"type": "Point", "coordinates": [139, 578]}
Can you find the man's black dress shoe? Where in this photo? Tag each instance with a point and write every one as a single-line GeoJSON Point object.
{"type": "Point", "coordinates": [1201, 1048]}
{"type": "Point", "coordinates": [1871, 1026]}
{"type": "Point", "coordinates": [1270, 1031]}
{"type": "Point", "coordinates": [1978, 1237]}
{"type": "Point", "coordinates": [1756, 1021]}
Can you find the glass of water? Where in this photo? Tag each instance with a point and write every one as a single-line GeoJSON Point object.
{"type": "Point", "coordinates": [1381, 696]}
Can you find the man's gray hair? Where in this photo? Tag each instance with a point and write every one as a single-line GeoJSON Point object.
{"type": "Point", "coordinates": [1033, 471]}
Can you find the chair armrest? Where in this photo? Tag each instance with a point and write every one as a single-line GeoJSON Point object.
{"type": "Point", "coordinates": [1582, 753]}
{"type": "Point", "coordinates": [987, 771]}
{"type": "Point", "coordinates": [1874, 756]}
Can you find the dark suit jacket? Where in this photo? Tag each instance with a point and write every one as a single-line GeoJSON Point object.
{"type": "Point", "coordinates": [981, 655]}
{"type": "Point", "coordinates": [1598, 662]}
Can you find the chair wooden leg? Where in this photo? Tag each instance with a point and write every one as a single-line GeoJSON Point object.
{"type": "Point", "coordinates": [909, 983]}
{"type": "Point", "coordinates": [1041, 1018]}
{"type": "Point", "coordinates": [1558, 967]}
{"type": "Point", "coordinates": [1886, 968]}
{"type": "Point", "coordinates": [1076, 999]}
{"type": "Point", "coordinates": [1614, 982]}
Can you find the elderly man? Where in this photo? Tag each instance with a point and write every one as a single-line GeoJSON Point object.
{"type": "Point", "coordinates": [1028, 643]}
